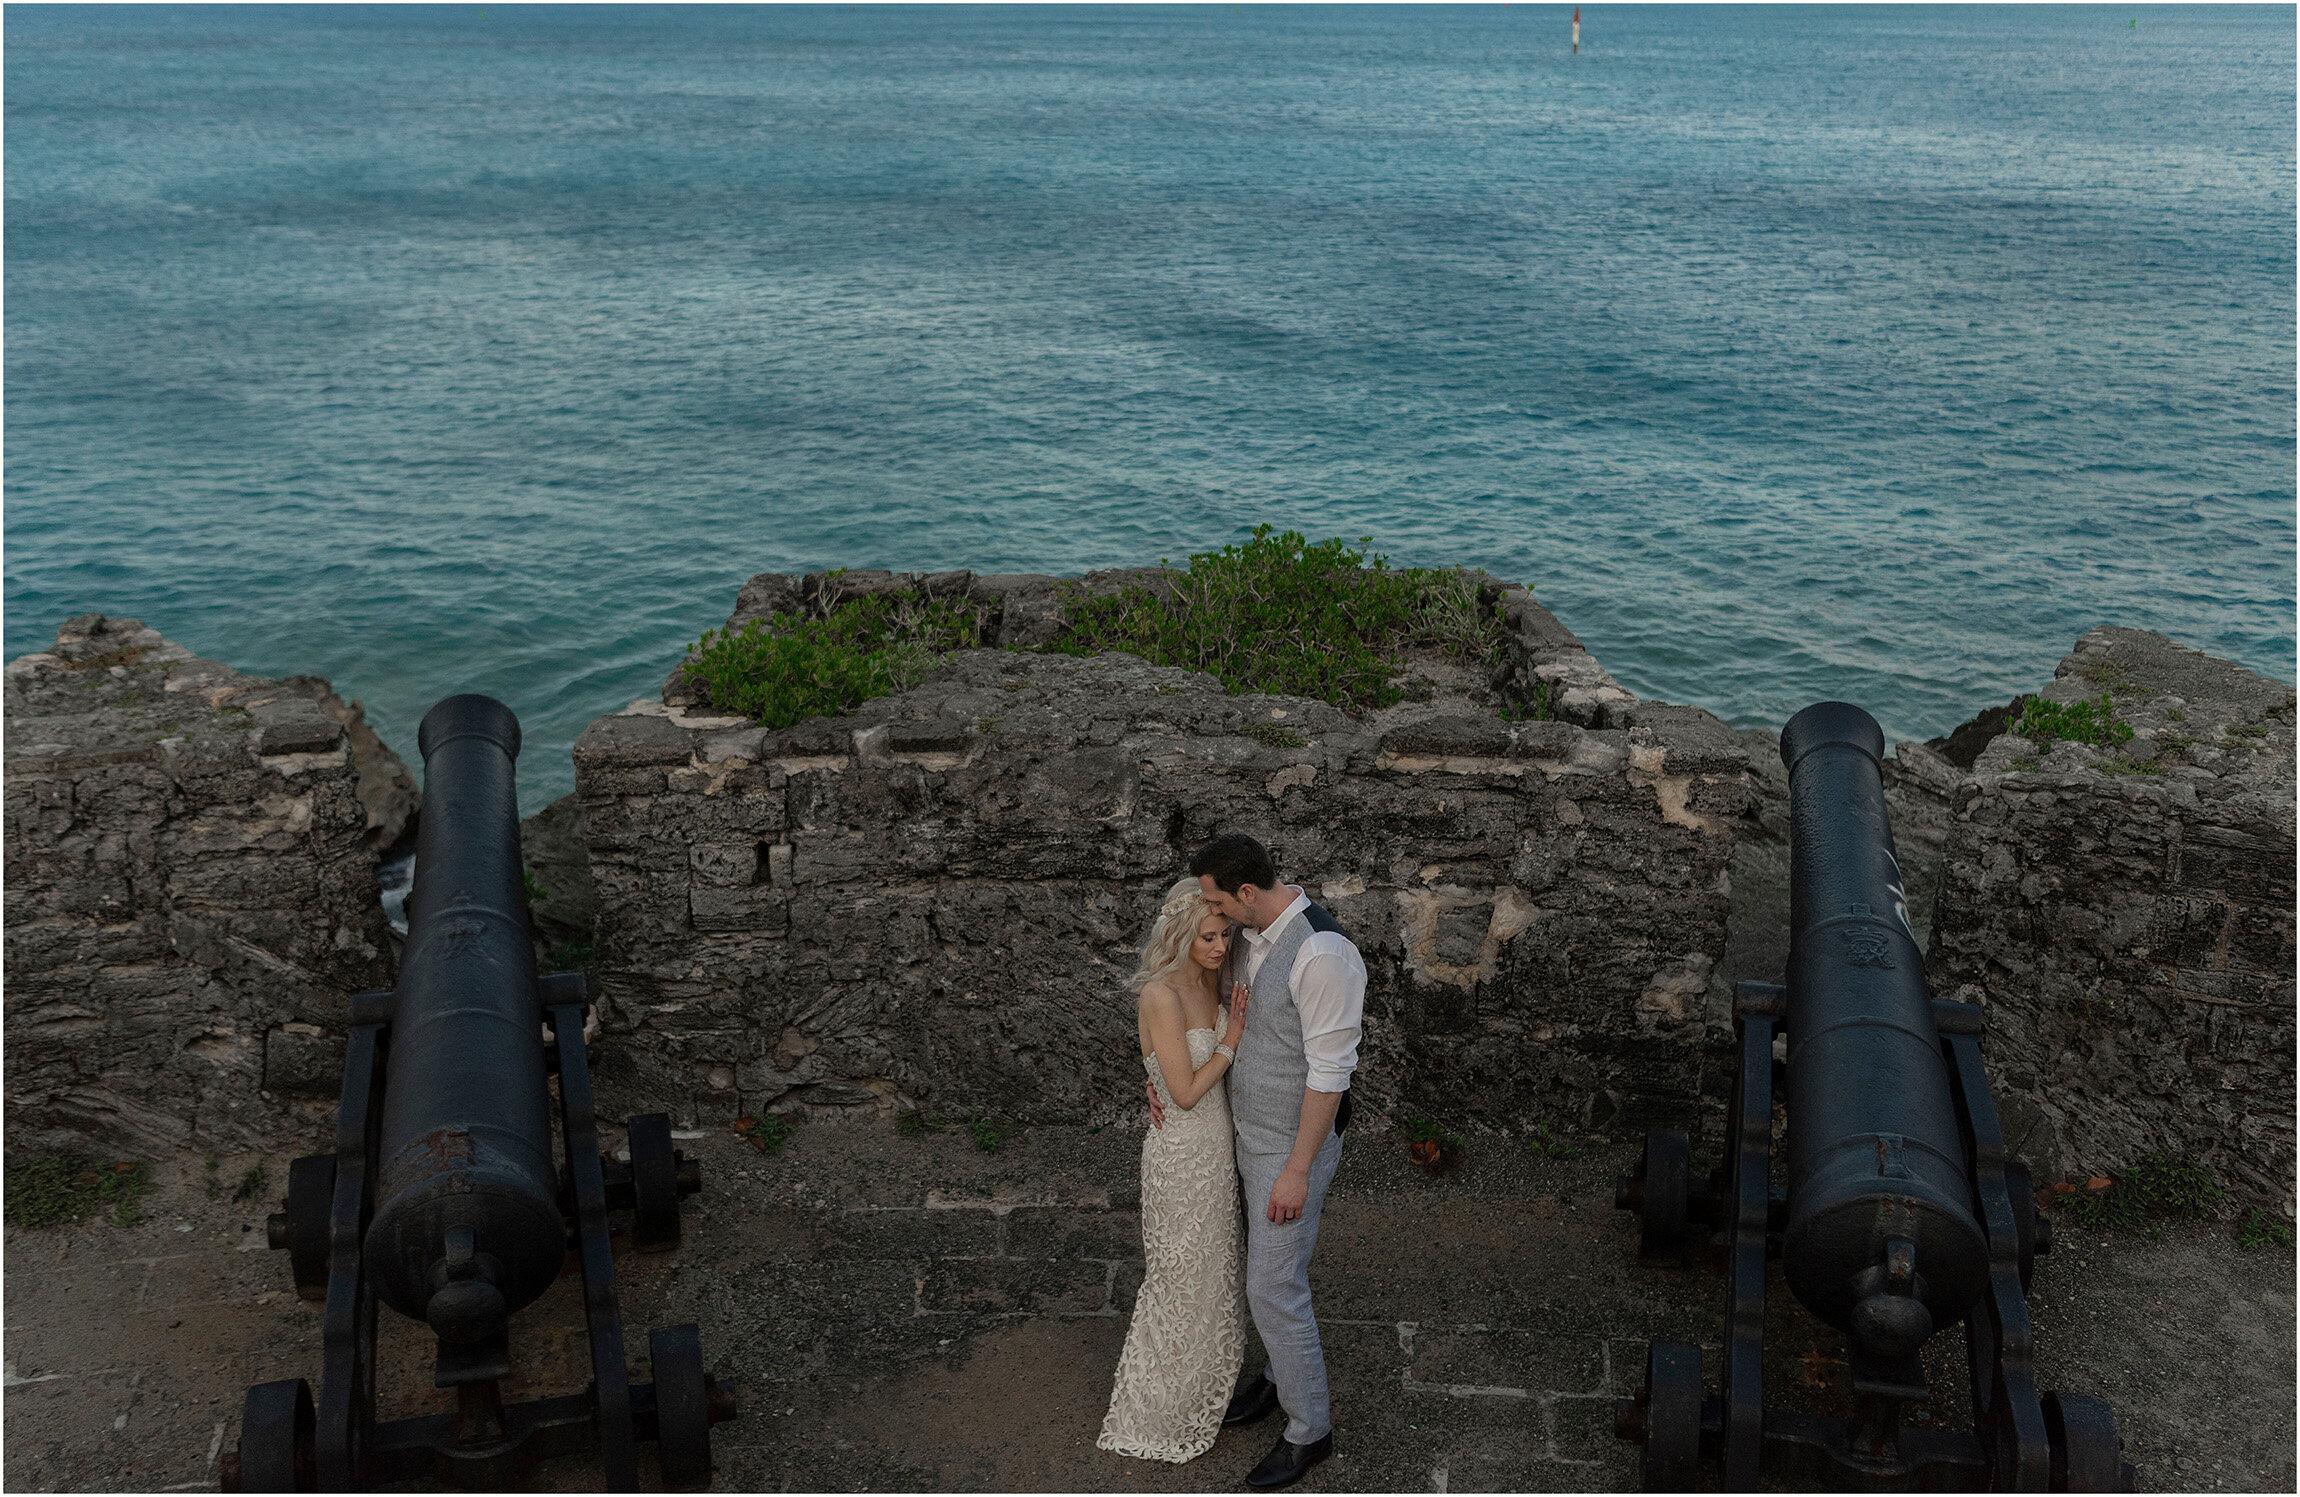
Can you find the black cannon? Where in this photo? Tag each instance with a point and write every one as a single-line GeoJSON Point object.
{"type": "Point", "coordinates": [1901, 1214]}
{"type": "Point", "coordinates": [442, 1197]}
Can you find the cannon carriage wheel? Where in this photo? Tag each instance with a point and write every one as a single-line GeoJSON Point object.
{"type": "Point", "coordinates": [1670, 1406]}
{"type": "Point", "coordinates": [2087, 1454]}
{"type": "Point", "coordinates": [682, 1407]}
{"type": "Point", "coordinates": [279, 1447]}
{"type": "Point", "coordinates": [1661, 1195]}
{"type": "Point", "coordinates": [654, 1183]}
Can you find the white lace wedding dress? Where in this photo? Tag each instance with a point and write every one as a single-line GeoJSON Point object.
{"type": "Point", "coordinates": [1188, 1336]}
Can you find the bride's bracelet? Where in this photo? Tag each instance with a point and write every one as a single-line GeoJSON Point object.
{"type": "Point", "coordinates": [1227, 1053]}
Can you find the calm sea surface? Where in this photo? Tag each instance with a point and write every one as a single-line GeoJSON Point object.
{"type": "Point", "coordinates": [1789, 353]}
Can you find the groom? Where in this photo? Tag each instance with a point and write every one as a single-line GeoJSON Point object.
{"type": "Point", "coordinates": [1289, 1102]}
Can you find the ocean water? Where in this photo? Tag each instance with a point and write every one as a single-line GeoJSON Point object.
{"type": "Point", "coordinates": [1787, 353]}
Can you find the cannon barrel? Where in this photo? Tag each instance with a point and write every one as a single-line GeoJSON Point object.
{"type": "Point", "coordinates": [467, 1225]}
{"type": "Point", "coordinates": [1881, 1241]}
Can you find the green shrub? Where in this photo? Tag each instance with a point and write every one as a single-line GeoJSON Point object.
{"type": "Point", "coordinates": [254, 1181]}
{"type": "Point", "coordinates": [790, 667]}
{"type": "Point", "coordinates": [1272, 614]}
{"type": "Point", "coordinates": [2259, 1230]}
{"type": "Point", "coordinates": [2079, 722]}
{"type": "Point", "coordinates": [911, 1122]}
{"type": "Point", "coordinates": [991, 1135]}
{"type": "Point", "coordinates": [1421, 1130]}
{"type": "Point", "coordinates": [1452, 618]}
{"type": "Point", "coordinates": [768, 1134]}
{"type": "Point", "coordinates": [67, 1187]}
{"type": "Point", "coordinates": [2162, 1187]}
{"type": "Point", "coordinates": [1279, 615]}
{"type": "Point", "coordinates": [1543, 1146]}
{"type": "Point", "coordinates": [1536, 707]}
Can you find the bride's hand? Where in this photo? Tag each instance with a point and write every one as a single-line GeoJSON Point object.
{"type": "Point", "coordinates": [1237, 1015]}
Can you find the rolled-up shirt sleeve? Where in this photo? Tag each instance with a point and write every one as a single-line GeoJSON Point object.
{"type": "Point", "coordinates": [1330, 993]}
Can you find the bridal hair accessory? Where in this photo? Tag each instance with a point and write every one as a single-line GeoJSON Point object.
{"type": "Point", "coordinates": [1179, 903]}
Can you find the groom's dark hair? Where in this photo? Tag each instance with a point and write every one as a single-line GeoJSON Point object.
{"type": "Point", "coordinates": [1235, 860]}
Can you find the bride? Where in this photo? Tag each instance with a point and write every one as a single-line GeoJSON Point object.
{"type": "Point", "coordinates": [1188, 1336]}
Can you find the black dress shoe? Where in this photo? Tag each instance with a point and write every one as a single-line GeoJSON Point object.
{"type": "Point", "coordinates": [1252, 1403]}
{"type": "Point", "coordinates": [1286, 1465]}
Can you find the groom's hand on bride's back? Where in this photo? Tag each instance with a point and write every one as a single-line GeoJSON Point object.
{"type": "Point", "coordinates": [1157, 1113]}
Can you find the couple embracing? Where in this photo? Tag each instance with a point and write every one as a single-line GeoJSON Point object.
{"type": "Point", "coordinates": [1248, 1107]}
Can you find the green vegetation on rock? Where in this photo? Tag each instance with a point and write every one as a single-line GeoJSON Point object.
{"type": "Point", "coordinates": [1280, 615]}
{"type": "Point", "coordinates": [570, 956]}
{"type": "Point", "coordinates": [1422, 1130]}
{"type": "Point", "coordinates": [791, 667]}
{"type": "Point", "coordinates": [1535, 709]}
{"type": "Point", "coordinates": [2041, 722]}
{"type": "Point", "coordinates": [63, 1188]}
{"type": "Point", "coordinates": [2259, 1230]}
{"type": "Point", "coordinates": [1274, 614]}
{"type": "Point", "coordinates": [2161, 1188]}
{"type": "Point", "coordinates": [1271, 735]}
{"type": "Point", "coordinates": [992, 1134]}
{"type": "Point", "coordinates": [768, 1134]}
{"type": "Point", "coordinates": [1543, 1145]}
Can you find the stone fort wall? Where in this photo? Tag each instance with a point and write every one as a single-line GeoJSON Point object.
{"type": "Point", "coordinates": [2124, 914]}
{"type": "Point", "coordinates": [936, 900]}
{"type": "Point", "coordinates": [191, 895]}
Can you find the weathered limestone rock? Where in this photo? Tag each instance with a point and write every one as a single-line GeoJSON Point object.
{"type": "Point", "coordinates": [387, 792]}
{"type": "Point", "coordinates": [190, 897]}
{"type": "Point", "coordinates": [551, 844]}
{"type": "Point", "coordinates": [937, 899]}
{"type": "Point", "coordinates": [2126, 916]}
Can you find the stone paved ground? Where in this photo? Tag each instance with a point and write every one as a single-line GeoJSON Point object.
{"type": "Point", "coordinates": [908, 1312]}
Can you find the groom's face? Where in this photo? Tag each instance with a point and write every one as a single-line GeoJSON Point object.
{"type": "Point", "coordinates": [1231, 906]}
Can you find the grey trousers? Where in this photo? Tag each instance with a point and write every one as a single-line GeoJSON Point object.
{"type": "Point", "coordinates": [1278, 1288]}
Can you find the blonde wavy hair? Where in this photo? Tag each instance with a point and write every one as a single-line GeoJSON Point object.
{"type": "Point", "coordinates": [1168, 949]}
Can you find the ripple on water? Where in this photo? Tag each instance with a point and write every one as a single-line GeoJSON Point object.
{"type": "Point", "coordinates": [1788, 354]}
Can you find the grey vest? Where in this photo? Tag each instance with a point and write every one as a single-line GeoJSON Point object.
{"type": "Point", "coordinates": [1266, 1081]}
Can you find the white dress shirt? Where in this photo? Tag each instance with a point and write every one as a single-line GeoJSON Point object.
{"type": "Point", "coordinates": [1329, 983]}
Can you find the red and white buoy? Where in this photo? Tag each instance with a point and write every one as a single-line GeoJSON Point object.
{"type": "Point", "coordinates": [1577, 31]}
